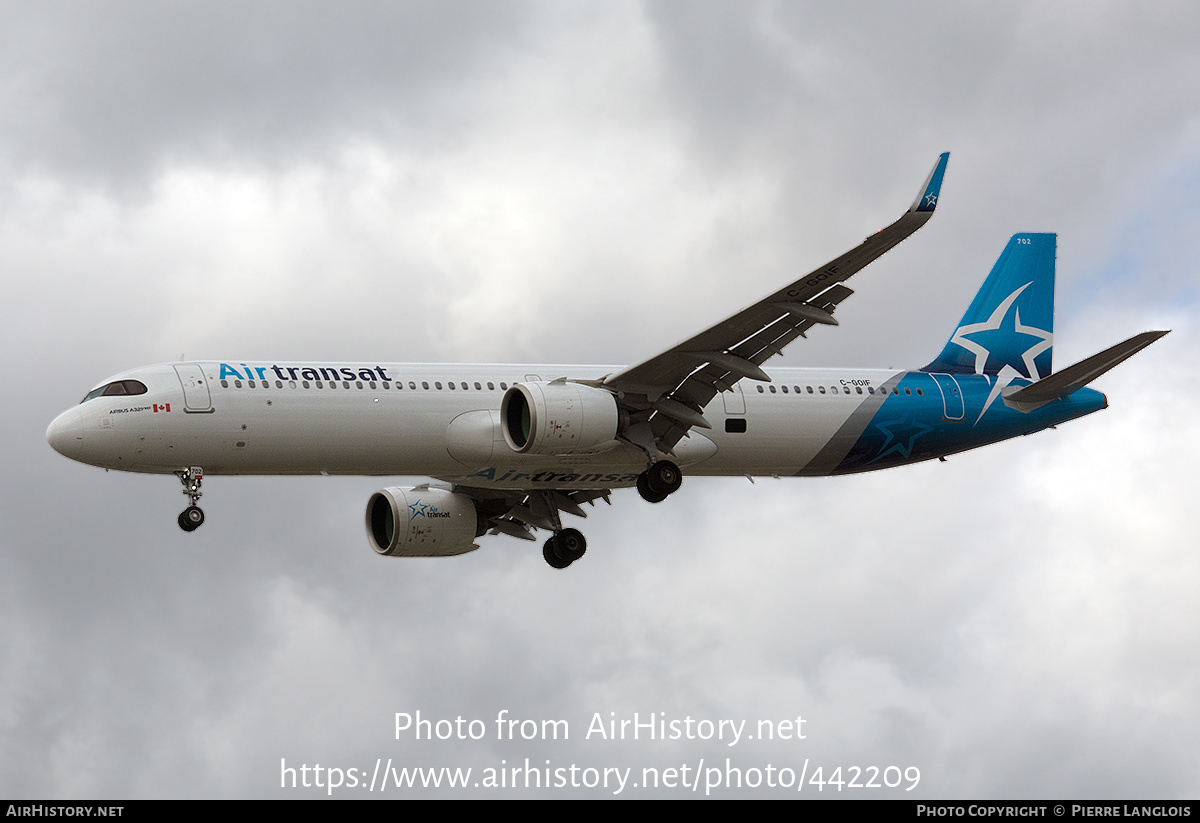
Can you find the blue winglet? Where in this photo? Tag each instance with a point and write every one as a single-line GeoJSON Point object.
{"type": "Point", "coordinates": [927, 199]}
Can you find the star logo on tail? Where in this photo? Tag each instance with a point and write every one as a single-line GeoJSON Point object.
{"type": "Point", "coordinates": [994, 344]}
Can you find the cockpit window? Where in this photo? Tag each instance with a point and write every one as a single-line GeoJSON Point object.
{"type": "Point", "coordinates": [115, 388]}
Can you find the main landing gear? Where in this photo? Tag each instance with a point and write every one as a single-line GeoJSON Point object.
{"type": "Point", "coordinates": [658, 482]}
{"type": "Point", "coordinates": [655, 484]}
{"type": "Point", "coordinates": [564, 548]}
{"type": "Point", "coordinates": [192, 517]}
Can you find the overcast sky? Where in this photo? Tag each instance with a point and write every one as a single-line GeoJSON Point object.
{"type": "Point", "coordinates": [591, 182]}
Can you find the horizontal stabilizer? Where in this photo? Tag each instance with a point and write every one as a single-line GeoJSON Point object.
{"type": "Point", "coordinates": [1073, 378]}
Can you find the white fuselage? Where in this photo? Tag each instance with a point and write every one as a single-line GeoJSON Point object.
{"type": "Point", "coordinates": [430, 420]}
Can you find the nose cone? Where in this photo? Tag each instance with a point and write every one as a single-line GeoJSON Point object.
{"type": "Point", "coordinates": [65, 434]}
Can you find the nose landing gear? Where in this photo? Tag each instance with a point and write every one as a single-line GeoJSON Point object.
{"type": "Point", "coordinates": [192, 517]}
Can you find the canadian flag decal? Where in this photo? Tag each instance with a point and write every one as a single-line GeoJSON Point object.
{"type": "Point", "coordinates": [165, 407]}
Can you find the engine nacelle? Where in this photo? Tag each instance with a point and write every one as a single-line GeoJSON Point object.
{"type": "Point", "coordinates": [558, 418]}
{"type": "Point", "coordinates": [422, 523]}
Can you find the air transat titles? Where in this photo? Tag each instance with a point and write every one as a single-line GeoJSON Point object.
{"type": "Point", "coordinates": [325, 372]}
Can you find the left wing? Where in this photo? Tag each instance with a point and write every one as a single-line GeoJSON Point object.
{"type": "Point", "coordinates": [668, 391]}
{"type": "Point", "coordinates": [516, 512]}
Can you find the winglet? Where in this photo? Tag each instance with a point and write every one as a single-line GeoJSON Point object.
{"type": "Point", "coordinates": [927, 200]}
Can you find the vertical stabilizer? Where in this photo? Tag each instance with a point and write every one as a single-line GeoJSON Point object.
{"type": "Point", "coordinates": [1009, 327]}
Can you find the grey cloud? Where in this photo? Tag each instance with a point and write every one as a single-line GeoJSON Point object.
{"type": "Point", "coordinates": [444, 182]}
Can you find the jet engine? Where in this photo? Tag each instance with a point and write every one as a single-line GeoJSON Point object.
{"type": "Point", "coordinates": [558, 418]}
{"type": "Point", "coordinates": [422, 523]}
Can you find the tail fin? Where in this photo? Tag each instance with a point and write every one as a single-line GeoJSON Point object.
{"type": "Point", "coordinates": [1010, 323]}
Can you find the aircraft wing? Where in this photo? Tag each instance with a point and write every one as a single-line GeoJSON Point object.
{"type": "Point", "coordinates": [677, 384]}
{"type": "Point", "coordinates": [517, 512]}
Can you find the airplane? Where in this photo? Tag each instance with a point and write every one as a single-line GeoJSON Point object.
{"type": "Point", "coordinates": [510, 448]}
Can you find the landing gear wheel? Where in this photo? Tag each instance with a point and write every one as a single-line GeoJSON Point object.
{"type": "Point", "coordinates": [570, 544]}
{"type": "Point", "coordinates": [648, 494]}
{"type": "Point", "coordinates": [564, 548]}
{"type": "Point", "coordinates": [550, 554]}
{"type": "Point", "coordinates": [664, 477]}
{"type": "Point", "coordinates": [191, 518]}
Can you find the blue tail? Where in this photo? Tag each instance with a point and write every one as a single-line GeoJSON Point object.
{"type": "Point", "coordinates": [1009, 328]}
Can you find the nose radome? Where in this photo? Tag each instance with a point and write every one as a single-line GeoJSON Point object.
{"type": "Point", "coordinates": [65, 434]}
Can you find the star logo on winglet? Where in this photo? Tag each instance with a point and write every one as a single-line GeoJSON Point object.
{"type": "Point", "coordinates": [931, 200]}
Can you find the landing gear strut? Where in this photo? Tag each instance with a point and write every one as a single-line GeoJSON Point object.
{"type": "Point", "coordinates": [564, 548]}
{"type": "Point", "coordinates": [192, 517]}
{"type": "Point", "coordinates": [658, 482]}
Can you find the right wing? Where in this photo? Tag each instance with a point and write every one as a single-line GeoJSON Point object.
{"type": "Point", "coordinates": [670, 390]}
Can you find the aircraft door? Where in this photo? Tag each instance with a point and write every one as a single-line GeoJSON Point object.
{"type": "Point", "coordinates": [735, 401]}
{"type": "Point", "coordinates": [952, 399]}
{"type": "Point", "coordinates": [196, 397]}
